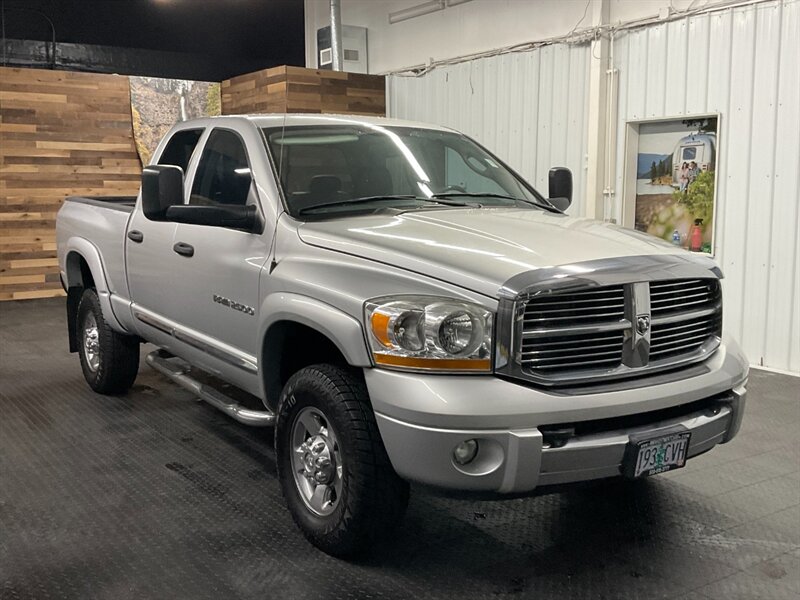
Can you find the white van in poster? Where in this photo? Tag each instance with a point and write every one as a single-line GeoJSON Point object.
{"type": "Point", "coordinates": [700, 148]}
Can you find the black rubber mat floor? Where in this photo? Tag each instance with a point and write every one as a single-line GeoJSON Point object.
{"type": "Point", "coordinates": [156, 495]}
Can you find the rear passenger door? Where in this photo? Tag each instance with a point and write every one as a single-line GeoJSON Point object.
{"type": "Point", "coordinates": [218, 283]}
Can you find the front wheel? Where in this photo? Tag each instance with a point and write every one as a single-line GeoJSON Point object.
{"type": "Point", "coordinates": [336, 477]}
{"type": "Point", "coordinates": [109, 360]}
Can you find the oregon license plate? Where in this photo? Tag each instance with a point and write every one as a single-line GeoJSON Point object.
{"type": "Point", "coordinates": [651, 456]}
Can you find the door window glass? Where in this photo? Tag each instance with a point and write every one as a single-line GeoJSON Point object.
{"type": "Point", "coordinates": [180, 148]}
{"type": "Point", "coordinates": [223, 175]}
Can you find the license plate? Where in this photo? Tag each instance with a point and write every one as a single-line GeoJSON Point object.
{"type": "Point", "coordinates": [650, 456]}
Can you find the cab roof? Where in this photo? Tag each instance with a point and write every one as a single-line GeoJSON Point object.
{"type": "Point", "coordinates": [297, 119]}
{"type": "Point", "coordinates": [277, 120]}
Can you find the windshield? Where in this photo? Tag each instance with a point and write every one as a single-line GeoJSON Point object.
{"type": "Point", "coordinates": [331, 169]}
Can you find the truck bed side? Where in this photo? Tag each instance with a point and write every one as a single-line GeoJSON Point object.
{"type": "Point", "coordinates": [91, 225]}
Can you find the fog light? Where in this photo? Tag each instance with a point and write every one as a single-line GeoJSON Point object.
{"type": "Point", "coordinates": [465, 452]}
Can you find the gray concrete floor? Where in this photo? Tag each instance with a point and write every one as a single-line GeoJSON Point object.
{"type": "Point", "coordinates": [156, 495]}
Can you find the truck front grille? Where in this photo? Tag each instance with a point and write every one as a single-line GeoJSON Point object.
{"type": "Point", "coordinates": [625, 330]}
{"type": "Point", "coordinates": [560, 330]}
{"type": "Point", "coordinates": [560, 354]}
{"type": "Point", "coordinates": [675, 330]}
{"type": "Point", "coordinates": [667, 297]}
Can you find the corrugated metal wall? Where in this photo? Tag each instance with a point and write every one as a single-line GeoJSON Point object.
{"type": "Point", "coordinates": [745, 64]}
{"type": "Point", "coordinates": [529, 108]}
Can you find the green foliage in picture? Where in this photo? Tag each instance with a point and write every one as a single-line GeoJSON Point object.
{"type": "Point", "coordinates": [213, 100]}
{"type": "Point", "coordinates": [661, 171]}
{"type": "Point", "coordinates": [698, 197]}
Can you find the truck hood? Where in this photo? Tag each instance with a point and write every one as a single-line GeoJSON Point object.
{"type": "Point", "coordinates": [480, 249]}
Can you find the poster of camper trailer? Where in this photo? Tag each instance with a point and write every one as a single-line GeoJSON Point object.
{"type": "Point", "coordinates": [675, 176]}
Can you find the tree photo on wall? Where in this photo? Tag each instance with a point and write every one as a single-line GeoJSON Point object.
{"type": "Point", "coordinates": [157, 104]}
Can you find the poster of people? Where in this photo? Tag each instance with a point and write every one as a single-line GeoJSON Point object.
{"type": "Point", "coordinates": [157, 104]}
{"type": "Point", "coordinates": [675, 177]}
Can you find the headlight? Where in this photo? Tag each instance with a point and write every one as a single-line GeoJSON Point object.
{"type": "Point", "coordinates": [429, 333]}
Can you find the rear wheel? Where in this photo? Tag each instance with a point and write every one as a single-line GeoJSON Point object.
{"type": "Point", "coordinates": [336, 477]}
{"type": "Point", "coordinates": [109, 360]}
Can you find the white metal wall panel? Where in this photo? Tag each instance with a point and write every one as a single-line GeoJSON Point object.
{"type": "Point", "coordinates": [745, 64]}
{"type": "Point", "coordinates": [783, 290]}
{"type": "Point", "coordinates": [529, 108]}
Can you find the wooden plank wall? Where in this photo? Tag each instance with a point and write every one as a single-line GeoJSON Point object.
{"type": "Point", "coordinates": [295, 89]}
{"type": "Point", "coordinates": [64, 133]}
{"type": "Point", "coordinates": [61, 133]}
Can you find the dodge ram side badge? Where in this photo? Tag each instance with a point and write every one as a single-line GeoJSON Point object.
{"type": "Point", "coordinates": [234, 305]}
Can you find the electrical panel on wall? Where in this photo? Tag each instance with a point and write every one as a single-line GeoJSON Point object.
{"type": "Point", "coordinates": [354, 45]}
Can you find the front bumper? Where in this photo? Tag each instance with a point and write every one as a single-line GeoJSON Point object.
{"type": "Point", "coordinates": [423, 417]}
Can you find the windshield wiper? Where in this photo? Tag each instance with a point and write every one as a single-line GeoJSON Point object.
{"type": "Point", "coordinates": [546, 205]}
{"type": "Point", "coordinates": [377, 198]}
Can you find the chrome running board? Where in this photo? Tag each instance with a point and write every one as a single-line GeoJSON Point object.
{"type": "Point", "coordinates": [161, 362]}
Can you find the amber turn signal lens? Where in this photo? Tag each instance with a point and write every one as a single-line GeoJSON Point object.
{"type": "Point", "coordinates": [434, 364]}
{"type": "Point", "coordinates": [380, 328]}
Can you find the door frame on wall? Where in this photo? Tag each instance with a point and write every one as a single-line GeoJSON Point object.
{"type": "Point", "coordinates": [629, 170]}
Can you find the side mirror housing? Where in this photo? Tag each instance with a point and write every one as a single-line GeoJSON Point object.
{"type": "Point", "coordinates": [560, 188]}
{"type": "Point", "coordinates": [245, 218]}
{"type": "Point", "coordinates": [162, 187]}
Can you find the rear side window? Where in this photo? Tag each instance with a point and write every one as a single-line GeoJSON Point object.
{"type": "Point", "coordinates": [223, 175]}
{"type": "Point", "coordinates": [180, 148]}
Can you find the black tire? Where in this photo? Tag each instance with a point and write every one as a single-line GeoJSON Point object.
{"type": "Point", "coordinates": [373, 499]}
{"type": "Point", "coordinates": [112, 368]}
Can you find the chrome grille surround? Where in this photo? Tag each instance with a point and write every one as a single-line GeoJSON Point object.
{"type": "Point", "coordinates": [577, 324]}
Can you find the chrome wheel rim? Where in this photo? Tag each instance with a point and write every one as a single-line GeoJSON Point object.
{"type": "Point", "coordinates": [316, 461]}
{"type": "Point", "coordinates": [91, 342]}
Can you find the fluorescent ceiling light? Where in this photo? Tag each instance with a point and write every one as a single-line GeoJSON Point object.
{"type": "Point", "coordinates": [416, 11]}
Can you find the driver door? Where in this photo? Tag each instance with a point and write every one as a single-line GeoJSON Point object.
{"type": "Point", "coordinates": [219, 267]}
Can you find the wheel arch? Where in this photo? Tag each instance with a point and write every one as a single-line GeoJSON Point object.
{"type": "Point", "coordinates": [83, 269]}
{"type": "Point", "coordinates": [302, 331]}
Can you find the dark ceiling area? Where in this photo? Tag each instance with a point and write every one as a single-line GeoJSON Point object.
{"type": "Point", "coordinates": [217, 38]}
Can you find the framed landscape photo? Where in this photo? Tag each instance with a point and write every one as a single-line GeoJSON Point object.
{"type": "Point", "coordinates": [670, 179]}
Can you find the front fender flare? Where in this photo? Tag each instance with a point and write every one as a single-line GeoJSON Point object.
{"type": "Point", "coordinates": [342, 329]}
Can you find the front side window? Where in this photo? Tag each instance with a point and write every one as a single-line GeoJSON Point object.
{"type": "Point", "coordinates": [328, 169]}
{"type": "Point", "coordinates": [223, 175]}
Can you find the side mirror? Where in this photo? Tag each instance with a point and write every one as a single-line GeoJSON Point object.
{"type": "Point", "coordinates": [234, 216]}
{"type": "Point", "coordinates": [560, 188]}
{"type": "Point", "coordinates": [162, 187]}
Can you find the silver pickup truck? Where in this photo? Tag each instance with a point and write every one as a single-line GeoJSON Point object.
{"type": "Point", "coordinates": [402, 306]}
